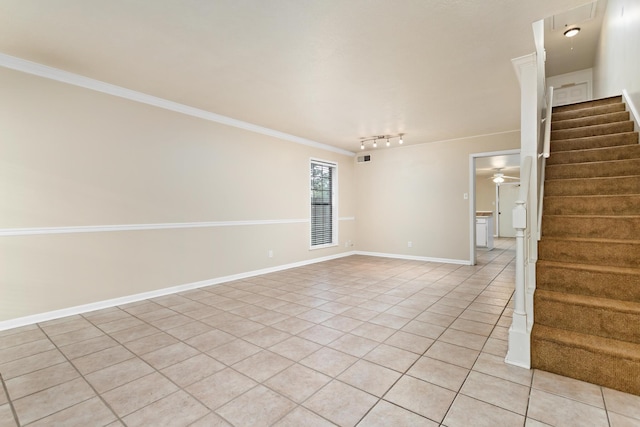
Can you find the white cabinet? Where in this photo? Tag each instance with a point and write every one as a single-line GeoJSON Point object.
{"type": "Point", "coordinates": [484, 230]}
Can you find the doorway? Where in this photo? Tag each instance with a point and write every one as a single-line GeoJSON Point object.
{"type": "Point", "coordinates": [482, 167]}
{"type": "Point", "coordinates": [570, 94]}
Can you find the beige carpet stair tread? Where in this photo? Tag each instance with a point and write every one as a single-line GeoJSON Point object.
{"type": "Point", "coordinates": [595, 169]}
{"type": "Point", "coordinates": [619, 227]}
{"type": "Point", "coordinates": [590, 301]}
{"type": "Point", "coordinates": [594, 130]}
{"type": "Point", "coordinates": [604, 281]}
{"type": "Point", "coordinates": [594, 240]}
{"type": "Point", "coordinates": [588, 314]}
{"type": "Point", "coordinates": [584, 112]}
{"type": "Point", "coordinates": [593, 268]}
{"type": "Point", "coordinates": [597, 251]}
{"type": "Point", "coordinates": [590, 120]}
{"type": "Point", "coordinates": [594, 216]}
{"type": "Point", "coordinates": [629, 184]}
{"type": "Point", "coordinates": [587, 142]}
{"type": "Point", "coordinates": [599, 178]}
{"type": "Point", "coordinates": [607, 204]}
{"type": "Point", "coordinates": [598, 154]}
{"type": "Point", "coordinates": [622, 349]}
{"type": "Point", "coordinates": [588, 104]}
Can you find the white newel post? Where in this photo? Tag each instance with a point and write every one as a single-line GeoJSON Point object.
{"type": "Point", "coordinates": [526, 67]}
{"type": "Point", "coordinates": [519, 353]}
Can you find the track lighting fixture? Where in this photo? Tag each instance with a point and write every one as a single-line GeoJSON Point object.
{"type": "Point", "coordinates": [374, 140]}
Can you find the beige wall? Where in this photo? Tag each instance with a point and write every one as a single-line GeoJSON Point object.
{"type": "Point", "coordinates": [415, 193]}
{"type": "Point", "coordinates": [617, 65]}
{"type": "Point", "coordinates": [75, 157]}
{"type": "Point", "coordinates": [486, 196]}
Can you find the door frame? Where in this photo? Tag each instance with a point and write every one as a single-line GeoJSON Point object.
{"type": "Point", "coordinates": [472, 196]}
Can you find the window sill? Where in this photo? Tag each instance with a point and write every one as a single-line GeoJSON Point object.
{"type": "Point", "coordinates": [328, 245]}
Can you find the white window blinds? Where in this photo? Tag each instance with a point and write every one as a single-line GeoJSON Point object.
{"type": "Point", "coordinates": [322, 203]}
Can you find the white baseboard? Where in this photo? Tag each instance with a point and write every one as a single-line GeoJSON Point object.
{"type": "Point", "coordinates": [416, 258]}
{"type": "Point", "coordinates": [85, 308]}
{"type": "Point", "coordinates": [631, 107]}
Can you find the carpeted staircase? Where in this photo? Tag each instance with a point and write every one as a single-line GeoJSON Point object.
{"type": "Point", "coordinates": [587, 301]}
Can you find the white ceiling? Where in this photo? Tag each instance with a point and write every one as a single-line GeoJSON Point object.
{"type": "Point", "coordinates": [332, 71]}
{"type": "Point", "coordinates": [507, 164]}
{"type": "Point", "coordinates": [565, 55]}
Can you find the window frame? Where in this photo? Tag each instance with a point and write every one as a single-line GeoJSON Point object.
{"type": "Point", "coordinates": [334, 203]}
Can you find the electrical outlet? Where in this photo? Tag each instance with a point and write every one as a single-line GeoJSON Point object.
{"type": "Point", "coordinates": [409, 244]}
{"type": "Point", "coordinates": [465, 196]}
{"type": "Point", "coordinates": [270, 253]}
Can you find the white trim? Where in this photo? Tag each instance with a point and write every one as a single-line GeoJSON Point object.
{"type": "Point", "coordinates": [4, 232]}
{"type": "Point", "coordinates": [85, 308]}
{"type": "Point", "coordinates": [632, 109]}
{"type": "Point", "coordinates": [523, 61]}
{"type": "Point", "coordinates": [326, 245]}
{"type": "Point", "coordinates": [574, 78]}
{"type": "Point", "coordinates": [440, 141]}
{"type": "Point", "coordinates": [138, 227]}
{"type": "Point", "coordinates": [80, 309]}
{"type": "Point", "coordinates": [51, 73]}
{"type": "Point", "coordinates": [472, 210]}
{"type": "Point", "coordinates": [415, 258]}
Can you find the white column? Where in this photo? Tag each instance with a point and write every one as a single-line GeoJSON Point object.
{"type": "Point", "coordinates": [519, 353]}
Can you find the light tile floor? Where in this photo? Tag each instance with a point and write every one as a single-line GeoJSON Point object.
{"type": "Point", "coordinates": [355, 341]}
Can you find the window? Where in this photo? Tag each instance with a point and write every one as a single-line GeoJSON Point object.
{"type": "Point", "coordinates": [323, 206]}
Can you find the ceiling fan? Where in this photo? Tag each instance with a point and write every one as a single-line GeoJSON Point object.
{"type": "Point", "coordinates": [499, 177]}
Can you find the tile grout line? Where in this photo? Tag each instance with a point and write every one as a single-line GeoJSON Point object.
{"type": "Point", "coordinates": [406, 372]}
{"type": "Point", "coordinates": [214, 411]}
{"type": "Point", "coordinates": [379, 398]}
{"type": "Point", "coordinates": [455, 288]}
{"type": "Point", "coordinates": [180, 388]}
{"type": "Point", "coordinates": [604, 404]}
{"type": "Point", "coordinates": [10, 402]}
{"type": "Point", "coordinates": [201, 352]}
{"type": "Point", "coordinates": [99, 395]}
{"type": "Point", "coordinates": [488, 336]}
{"type": "Point", "coordinates": [159, 371]}
{"type": "Point", "coordinates": [335, 378]}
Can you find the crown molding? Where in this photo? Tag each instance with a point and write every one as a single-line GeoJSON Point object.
{"type": "Point", "coordinates": [34, 68]}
